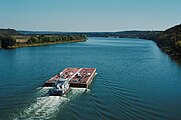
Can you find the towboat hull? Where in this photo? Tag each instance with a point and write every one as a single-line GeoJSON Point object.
{"type": "Point", "coordinates": [57, 93]}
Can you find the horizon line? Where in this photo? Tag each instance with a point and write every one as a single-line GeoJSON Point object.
{"type": "Point", "coordinates": [87, 31]}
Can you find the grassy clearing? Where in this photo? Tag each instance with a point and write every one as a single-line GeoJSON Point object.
{"type": "Point", "coordinates": [21, 39]}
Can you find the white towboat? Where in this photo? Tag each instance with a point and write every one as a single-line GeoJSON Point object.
{"type": "Point", "coordinates": [61, 87]}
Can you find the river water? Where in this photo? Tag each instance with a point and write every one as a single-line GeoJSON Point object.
{"type": "Point", "coordinates": [135, 80]}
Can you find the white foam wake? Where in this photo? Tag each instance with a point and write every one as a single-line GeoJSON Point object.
{"type": "Point", "coordinates": [47, 107]}
{"type": "Point", "coordinates": [44, 108]}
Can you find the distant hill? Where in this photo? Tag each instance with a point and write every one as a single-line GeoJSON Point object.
{"type": "Point", "coordinates": [9, 32]}
{"type": "Point", "coordinates": [121, 34]}
{"type": "Point", "coordinates": [126, 34]}
{"type": "Point", "coordinates": [152, 35]}
{"type": "Point", "coordinates": [40, 32]}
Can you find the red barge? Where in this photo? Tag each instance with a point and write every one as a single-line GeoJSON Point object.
{"type": "Point", "coordinates": [83, 78]}
{"type": "Point", "coordinates": [71, 77]}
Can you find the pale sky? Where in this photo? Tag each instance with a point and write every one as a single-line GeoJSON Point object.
{"type": "Point", "coordinates": [89, 15]}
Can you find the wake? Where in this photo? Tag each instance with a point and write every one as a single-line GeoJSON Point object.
{"type": "Point", "coordinates": [47, 107]}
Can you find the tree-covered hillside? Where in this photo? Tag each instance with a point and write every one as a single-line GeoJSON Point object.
{"type": "Point", "coordinates": [170, 41]}
{"type": "Point", "coordinates": [8, 32]}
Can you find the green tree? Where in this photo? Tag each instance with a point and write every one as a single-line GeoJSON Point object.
{"type": "Point", "coordinates": [7, 41]}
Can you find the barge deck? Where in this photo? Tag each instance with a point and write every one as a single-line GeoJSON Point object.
{"type": "Point", "coordinates": [83, 78]}
{"type": "Point", "coordinates": [67, 74]}
{"type": "Point", "coordinates": [77, 77]}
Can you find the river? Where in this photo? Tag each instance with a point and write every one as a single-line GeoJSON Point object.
{"type": "Point", "coordinates": [135, 80]}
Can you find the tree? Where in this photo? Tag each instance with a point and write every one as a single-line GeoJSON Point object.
{"type": "Point", "coordinates": [7, 41]}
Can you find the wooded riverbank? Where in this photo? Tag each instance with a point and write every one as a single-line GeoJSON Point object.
{"type": "Point", "coordinates": [11, 39]}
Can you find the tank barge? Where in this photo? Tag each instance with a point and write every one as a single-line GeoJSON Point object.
{"type": "Point", "coordinates": [70, 77]}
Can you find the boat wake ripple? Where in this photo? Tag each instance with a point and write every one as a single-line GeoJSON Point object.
{"type": "Point", "coordinates": [75, 92]}
{"type": "Point", "coordinates": [47, 107]}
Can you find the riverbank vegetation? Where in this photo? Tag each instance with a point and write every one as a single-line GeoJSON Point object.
{"type": "Point", "coordinates": [12, 39]}
{"type": "Point", "coordinates": [169, 40]}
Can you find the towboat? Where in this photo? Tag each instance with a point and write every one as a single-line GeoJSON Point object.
{"type": "Point", "coordinates": [61, 87]}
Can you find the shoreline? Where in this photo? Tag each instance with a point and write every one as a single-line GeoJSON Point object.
{"type": "Point", "coordinates": [41, 44]}
{"type": "Point", "coordinates": [171, 52]}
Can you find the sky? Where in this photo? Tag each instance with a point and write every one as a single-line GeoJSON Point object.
{"type": "Point", "coordinates": [89, 15]}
